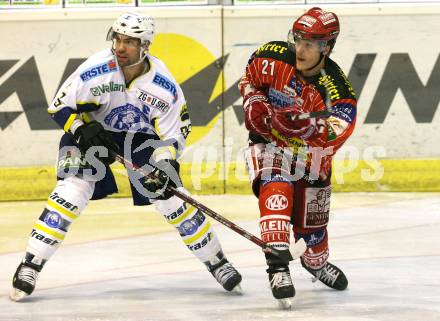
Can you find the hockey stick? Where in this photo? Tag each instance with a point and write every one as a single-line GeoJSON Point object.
{"type": "Point", "coordinates": [296, 251]}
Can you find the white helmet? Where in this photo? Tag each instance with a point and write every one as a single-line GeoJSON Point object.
{"type": "Point", "coordinates": [134, 25]}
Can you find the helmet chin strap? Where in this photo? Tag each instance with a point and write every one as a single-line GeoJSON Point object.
{"type": "Point", "coordinates": [321, 56]}
{"type": "Point", "coordinates": [142, 55]}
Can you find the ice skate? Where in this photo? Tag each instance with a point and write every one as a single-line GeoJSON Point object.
{"type": "Point", "coordinates": [330, 275]}
{"type": "Point", "coordinates": [281, 285]}
{"type": "Point", "coordinates": [24, 282]}
{"type": "Point", "coordinates": [227, 276]}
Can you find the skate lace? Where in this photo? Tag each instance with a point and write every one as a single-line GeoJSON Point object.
{"type": "Point", "coordinates": [28, 275]}
{"type": "Point", "coordinates": [327, 274]}
{"type": "Point", "coordinates": [280, 279]}
{"type": "Point", "coordinates": [224, 272]}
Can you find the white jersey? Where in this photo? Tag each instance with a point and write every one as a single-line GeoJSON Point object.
{"type": "Point", "coordinates": [151, 102]}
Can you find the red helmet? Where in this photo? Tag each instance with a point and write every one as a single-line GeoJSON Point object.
{"type": "Point", "coordinates": [316, 24]}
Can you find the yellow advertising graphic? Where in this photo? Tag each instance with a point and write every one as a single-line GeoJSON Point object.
{"type": "Point", "coordinates": [186, 58]}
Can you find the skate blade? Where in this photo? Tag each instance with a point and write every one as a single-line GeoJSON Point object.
{"type": "Point", "coordinates": [237, 290]}
{"type": "Point", "coordinates": [285, 304]}
{"type": "Point", "coordinates": [17, 295]}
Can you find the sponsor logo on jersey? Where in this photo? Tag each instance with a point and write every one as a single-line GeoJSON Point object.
{"type": "Point", "coordinates": [344, 111]}
{"type": "Point", "coordinates": [329, 84]}
{"type": "Point", "coordinates": [317, 206]}
{"type": "Point", "coordinates": [107, 88]}
{"type": "Point", "coordinates": [279, 99]}
{"type": "Point", "coordinates": [166, 84]}
{"type": "Point", "coordinates": [277, 202]}
{"type": "Point", "coordinates": [153, 101]}
{"type": "Point", "coordinates": [271, 47]}
{"type": "Point", "coordinates": [129, 117]}
{"type": "Point", "coordinates": [53, 219]}
{"type": "Point", "coordinates": [289, 91]}
{"type": "Point", "coordinates": [347, 82]}
{"type": "Point", "coordinates": [98, 70]}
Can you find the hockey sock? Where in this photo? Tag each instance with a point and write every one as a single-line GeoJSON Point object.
{"type": "Point", "coordinates": [194, 228]}
{"type": "Point", "coordinates": [275, 202]}
{"type": "Point", "coordinates": [63, 206]}
{"type": "Point", "coordinates": [317, 251]}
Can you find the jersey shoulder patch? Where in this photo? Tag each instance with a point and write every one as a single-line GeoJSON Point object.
{"type": "Point", "coordinates": [278, 50]}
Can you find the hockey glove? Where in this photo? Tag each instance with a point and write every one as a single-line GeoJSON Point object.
{"type": "Point", "coordinates": [303, 129]}
{"type": "Point", "coordinates": [166, 173]}
{"type": "Point", "coordinates": [257, 112]}
{"type": "Point", "coordinates": [93, 134]}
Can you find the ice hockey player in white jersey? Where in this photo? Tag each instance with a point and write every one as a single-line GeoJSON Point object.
{"type": "Point", "coordinates": [125, 100]}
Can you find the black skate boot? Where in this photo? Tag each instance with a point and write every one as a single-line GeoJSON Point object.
{"type": "Point", "coordinates": [281, 284]}
{"type": "Point", "coordinates": [226, 275]}
{"type": "Point", "coordinates": [280, 281]}
{"type": "Point", "coordinates": [330, 275]}
{"type": "Point", "coordinates": [24, 280]}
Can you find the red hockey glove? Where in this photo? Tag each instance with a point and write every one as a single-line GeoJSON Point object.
{"type": "Point", "coordinates": [257, 112]}
{"type": "Point", "coordinates": [298, 128]}
{"type": "Point", "coordinates": [309, 101]}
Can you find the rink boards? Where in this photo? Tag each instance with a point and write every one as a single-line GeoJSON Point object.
{"type": "Point", "coordinates": [388, 51]}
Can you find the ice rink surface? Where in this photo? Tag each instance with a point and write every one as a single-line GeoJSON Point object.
{"type": "Point", "coordinates": [389, 248]}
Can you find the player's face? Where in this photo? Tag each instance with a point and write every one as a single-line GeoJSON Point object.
{"type": "Point", "coordinates": [126, 49]}
{"type": "Point", "coordinates": [308, 53]}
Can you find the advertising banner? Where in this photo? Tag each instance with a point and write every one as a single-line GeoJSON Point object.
{"type": "Point", "coordinates": [390, 55]}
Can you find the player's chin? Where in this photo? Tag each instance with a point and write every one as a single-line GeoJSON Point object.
{"type": "Point", "coordinates": [122, 62]}
{"type": "Point", "coordinates": [301, 65]}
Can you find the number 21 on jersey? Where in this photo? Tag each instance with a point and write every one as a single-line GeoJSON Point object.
{"type": "Point", "coordinates": [268, 65]}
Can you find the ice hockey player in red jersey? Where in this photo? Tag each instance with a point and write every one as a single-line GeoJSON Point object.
{"type": "Point", "coordinates": [290, 150]}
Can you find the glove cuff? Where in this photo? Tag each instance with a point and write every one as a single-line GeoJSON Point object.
{"type": "Point", "coordinates": [75, 124]}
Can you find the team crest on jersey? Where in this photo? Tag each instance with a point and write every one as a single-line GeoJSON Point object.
{"type": "Point", "coordinates": [296, 86]}
{"type": "Point", "coordinates": [98, 70]}
{"type": "Point", "coordinates": [129, 117]}
{"type": "Point", "coordinates": [162, 81]}
{"type": "Point", "coordinates": [153, 101]}
{"type": "Point", "coordinates": [279, 99]}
